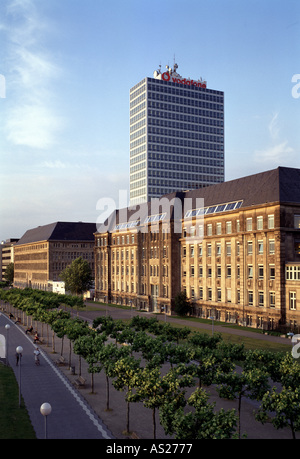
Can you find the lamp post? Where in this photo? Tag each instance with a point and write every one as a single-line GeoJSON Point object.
{"type": "Point", "coordinates": [19, 350]}
{"type": "Point", "coordinates": [212, 317]}
{"type": "Point", "coordinates": [7, 327]}
{"type": "Point", "coordinates": [45, 410]}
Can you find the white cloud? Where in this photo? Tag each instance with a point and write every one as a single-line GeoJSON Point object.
{"type": "Point", "coordinates": [273, 127]}
{"type": "Point", "coordinates": [278, 152]}
{"type": "Point", "coordinates": [31, 119]}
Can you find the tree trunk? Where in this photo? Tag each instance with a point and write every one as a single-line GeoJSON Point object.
{"type": "Point", "coordinates": [239, 413]}
{"type": "Point", "coordinates": [107, 393]}
{"type": "Point", "coordinates": [154, 423]}
{"type": "Point", "coordinates": [127, 420]}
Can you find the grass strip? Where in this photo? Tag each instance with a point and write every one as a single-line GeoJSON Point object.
{"type": "Point", "coordinates": [14, 420]}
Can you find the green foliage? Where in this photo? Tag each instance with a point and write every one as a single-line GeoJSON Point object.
{"type": "Point", "coordinates": [77, 276]}
{"type": "Point", "coordinates": [9, 273]}
{"type": "Point", "coordinates": [203, 422]}
{"type": "Point", "coordinates": [203, 358]}
{"type": "Point", "coordinates": [286, 406]}
{"type": "Point", "coordinates": [182, 305]}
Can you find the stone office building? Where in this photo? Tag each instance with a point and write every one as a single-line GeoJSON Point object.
{"type": "Point", "coordinates": [237, 254]}
{"type": "Point", "coordinates": [44, 252]}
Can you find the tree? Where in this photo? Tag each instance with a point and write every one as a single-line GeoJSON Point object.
{"type": "Point", "coordinates": [9, 273]}
{"type": "Point", "coordinates": [285, 405]}
{"type": "Point", "coordinates": [125, 373]}
{"type": "Point", "coordinates": [108, 355]}
{"type": "Point", "coordinates": [155, 390]}
{"type": "Point", "coordinates": [87, 346]}
{"type": "Point", "coordinates": [203, 422]}
{"type": "Point", "coordinates": [251, 383]}
{"type": "Point", "coordinates": [182, 304]}
{"type": "Point", "coordinates": [75, 329]}
{"type": "Point", "coordinates": [77, 276]}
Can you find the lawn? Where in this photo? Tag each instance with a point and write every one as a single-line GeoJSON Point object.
{"type": "Point", "coordinates": [14, 420]}
{"type": "Point", "coordinates": [249, 343]}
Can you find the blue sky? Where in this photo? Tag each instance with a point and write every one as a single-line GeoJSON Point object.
{"type": "Point", "coordinates": [69, 65]}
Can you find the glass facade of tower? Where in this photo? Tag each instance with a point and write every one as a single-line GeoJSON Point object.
{"type": "Point", "coordinates": [176, 138]}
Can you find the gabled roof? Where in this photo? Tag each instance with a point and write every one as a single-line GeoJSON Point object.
{"type": "Point", "coordinates": [60, 231]}
{"type": "Point", "coordinates": [277, 185]}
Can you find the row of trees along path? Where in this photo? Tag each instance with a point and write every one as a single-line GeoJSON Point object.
{"type": "Point", "coordinates": [166, 368]}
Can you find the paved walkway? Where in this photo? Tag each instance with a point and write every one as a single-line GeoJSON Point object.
{"type": "Point", "coordinates": [71, 416]}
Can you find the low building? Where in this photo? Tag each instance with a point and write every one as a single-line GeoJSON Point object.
{"type": "Point", "coordinates": [234, 249]}
{"type": "Point", "coordinates": [6, 255]}
{"type": "Point", "coordinates": [44, 252]}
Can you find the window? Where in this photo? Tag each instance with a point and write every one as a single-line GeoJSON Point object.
{"type": "Point", "coordinates": [208, 250]}
{"type": "Point", "coordinates": [271, 246]}
{"type": "Point", "coordinates": [249, 248]}
{"type": "Point", "coordinates": [200, 271]}
{"type": "Point", "coordinates": [201, 293]}
{"type": "Point", "coordinates": [192, 251]}
{"type": "Point", "coordinates": [200, 231]}
{"type": "Point", "coordinates": [229, 295]}
{"type": "Point", "coordinates": [297, 221]}
{"type": "Point", "coordinates": [260, 223]}
{"type": "Point", "coordinates": [249, 224]}
{"type": "Point", "coordinates": [292, 272]}
{"type": "Point", "coordinates": [228, 271]}
{"type": "Point", "coordinates": [228, 249]}
{"type": "Point", "coordinates": [192, 271]}
{"type": "Point", "coordinates": [250, 271]}
{"type": "Point", "coordinates": [209, 294]}
{"type": "Point", "coordinates": [260, 247]}
{"type": "Point", "coordinates": [272, 299]}
{"type": "Point", "coordinates": [219, 228]}
{"type": "Point", "coordinates": [200, 250]}
{"type": "Point", "coordinates": [209, 271]}
{"type": "Point", "coordinates": [270, 221]}
{"type": "Point", "coordinates": [292, 300]}
{"type": "Point", "coordinates": [219, 271]}
{"type": "Point", "coordinates": [272, 272]}
{"type": "Point", "coordinates": [218, 249]}
{"type": "Point", "coordinates": [209, 229]}
{"type": "Point", "coordinates": [261, 299]}
{"type": "Point", "coordinates": [260, 272]}
{"type": "Point", "coordinates": [228, 227]}
{"type": "Point", "coordinates": [219, 294]}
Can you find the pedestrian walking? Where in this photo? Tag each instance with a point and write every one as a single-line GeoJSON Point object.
{"type": "Point", "coordinates": [36, 356]}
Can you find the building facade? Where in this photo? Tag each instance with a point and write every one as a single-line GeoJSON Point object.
{"type": "Point", "coordinates": [176, 135]}
{"type": "Point", "coordinates": [237, 254]}
{"type": "Point", "coordinates": [137, 260]}
{"type": "Point", "coordinates": [6, 255]}
{"type": "Point", "coordinates": [44, 252]}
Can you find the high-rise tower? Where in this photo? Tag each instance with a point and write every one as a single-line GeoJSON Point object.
{"type": "Point", "coordinates": [176, 135]}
